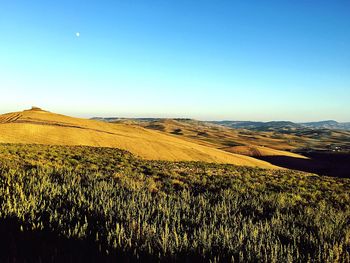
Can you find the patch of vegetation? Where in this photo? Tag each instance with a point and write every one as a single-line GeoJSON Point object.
{"type": "Point", "coordinates": [177, 131]}
{"type": "Point", "coordinates": [232, 143]}
{"type": "Point", "coordinates": [203, 133]}
{"type": "Point", "coordinates": [84, 203]}
{"type": "Point", "coordinates": [159, 127]}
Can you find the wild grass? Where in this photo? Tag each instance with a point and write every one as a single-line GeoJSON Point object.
{"type": "Point", "coordinates": [107, 205]}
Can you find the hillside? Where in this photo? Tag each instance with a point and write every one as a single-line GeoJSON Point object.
{"type": "Point", "coordinates": [258, 151]}
{"type": "Point", "coordinates": [330, 124]}
{"type": "Point", "coordinates": [238, 141]}
{"type": "Point", "coordinates": [260, 126]}
{"type": "Point", "coordinates": [286, 141]}
{"type": "Point", "coordinates": [284, 125]}
{"type": "Point", "coordinates": [90, 204]}
{"type": "Point", "coordinates": [321, 151]}
{"type": "Point", "coordinates": [37, 126]}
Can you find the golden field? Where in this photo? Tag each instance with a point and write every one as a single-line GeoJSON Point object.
{"type": "Point", "coordinates": [42, 127]}
{"type": "Point", "coordinates": [238, 141]}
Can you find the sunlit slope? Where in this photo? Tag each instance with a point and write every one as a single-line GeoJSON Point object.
{"type": "Point", "coordinates": [258, 151]}
{"type": "Point", "coordinates": [42, 127]}
{"type": "Point", "coordinates": [256, 144]}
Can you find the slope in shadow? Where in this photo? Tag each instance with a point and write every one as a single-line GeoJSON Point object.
{"type": "Point", "coordinates": [26, 246]}
{"type": "Point", "coordinates": [45, 246]}
{"type": "Point", "coordinates": [321, 163]}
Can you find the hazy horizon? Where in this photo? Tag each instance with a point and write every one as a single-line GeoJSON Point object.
{"type": "Point", "coordinates": [258, 61]}
{"type": "Point", "coordinates": [133, 116]}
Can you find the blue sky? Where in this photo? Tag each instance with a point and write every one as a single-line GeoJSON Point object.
{"type": "Point", "coordinates": [237, 60]}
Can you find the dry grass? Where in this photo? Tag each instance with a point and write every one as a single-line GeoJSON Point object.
{"type": "Point", "coordinates": [90, 204]}
{"type": "Point", "coordinates": [237, 141]}
{"type": "Point", "coordinates": [256, 151]}
{"type": "Point", "coordinates": [42, 127]}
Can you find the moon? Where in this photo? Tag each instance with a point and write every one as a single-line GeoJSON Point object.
{"type": "Point", "coordinates": [77, 34]}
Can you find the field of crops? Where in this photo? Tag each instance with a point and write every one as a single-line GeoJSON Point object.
{"type": "Point", "coordinates": [79, 204]}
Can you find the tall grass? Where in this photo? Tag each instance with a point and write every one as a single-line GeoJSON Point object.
{"type": "Point", "coordinates": [110, 202]}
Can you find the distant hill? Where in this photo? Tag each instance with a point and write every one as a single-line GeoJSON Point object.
{"type": "Point", "coordinates": [331, 124]}
{"type": "Point", "coordinates": [273, 125]}
{"type": "Point", "coordinates": [277, 135]}
{"type": "Point", "coordinates": [262, 126]}
{"type": "Point", "coordinates": [230, 140]}
{"type": "Point", "coordinates": [282, 143]}
{"type": "Point", "coordinates": [37, 126]}
{"type": "Point", "coordinates": [117, 119]}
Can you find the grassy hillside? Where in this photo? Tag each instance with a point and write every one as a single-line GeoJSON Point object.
{"type": "Point", "coordinates": [324, 135]}
{"type": "Point", "coordinates": [257, 151]}
{"type": "Point", "coordinates": [285, 141]}
{"type": "Point", "coordinates": [78, 204]}
{"type": "Point", "coordinates": [231, 140]}
{"type": "Point", "coordinates": [42, 127]}
{"type": "Point", "coordinates": [318, 151]}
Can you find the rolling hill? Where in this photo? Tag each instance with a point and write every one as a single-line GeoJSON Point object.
{"type": "Point", "coordinates": [321, 151]}
{"type": "Point", "coordinates": [259, 126]}
{"type": "Point", "coordinates": [37, 126]}
{"type": "Point", "coordinates": [243, 142]}
{"type": "Point", "coordinates": [330, 124]}
{"type": "Point", "coordinates": [284, 125]}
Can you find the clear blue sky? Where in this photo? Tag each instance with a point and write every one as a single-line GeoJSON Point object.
{"type": "Point", "coordinates": [238, 60]}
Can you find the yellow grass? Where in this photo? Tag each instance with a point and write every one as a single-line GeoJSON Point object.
{"type": "Point", "coordinates": [255, 145]}
{"type": "Point", "coordinates": [256, 151]}
{"type": "Point", "coordinates": [42, 127]}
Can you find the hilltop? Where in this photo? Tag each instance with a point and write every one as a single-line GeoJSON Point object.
{"type": "Point", "coordinates": [37, 126]}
